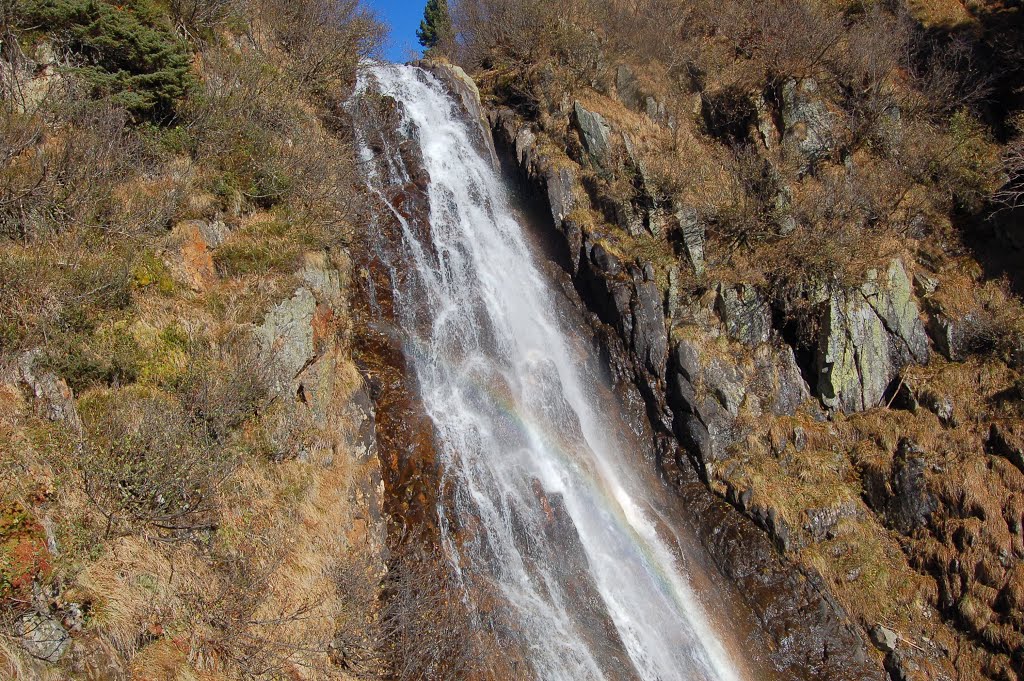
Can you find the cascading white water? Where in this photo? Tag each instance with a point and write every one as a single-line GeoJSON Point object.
{"type": "Point", "coordinates": [519, 434]}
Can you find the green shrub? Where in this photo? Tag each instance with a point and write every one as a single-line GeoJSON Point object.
{"type": "Point", "coordinates": [127, 52]}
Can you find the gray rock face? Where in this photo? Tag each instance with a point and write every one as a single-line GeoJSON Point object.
{"type": "Point", "coordinates": [777, 367]}
{"type": "Point", "coordinates": [867, 335]}
{"type": "Point", "coordinates": [706, 394]}
{"type": "Point", "coordinates": [650, 340]}
{"type": "Point", "coordinates": [807, 122]}
{"type": "Point", "coordinates": [953, 337]}
{"type": "Point", "coordinates": [51, 395]}
{"type": "Point", "coordinates": [42, 636]}
{"type": "Point", "coordinates": [287, 336]}
{"type": "Point", "coordinates": [594, 131]}
{"type": "Point", "coordinates": [692, 230]}
{"type": "Point", "coordinates": [560, 183]}
{"type": "Point", "coordinates": [746, 315]}
{"type": "Point", "coordinates": [627, 89]}
{"type": "Point", "coordinates": [891, 296]}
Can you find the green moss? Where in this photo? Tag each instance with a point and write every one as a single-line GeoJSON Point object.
{"type": "Point", "coordinates": [149, 271]}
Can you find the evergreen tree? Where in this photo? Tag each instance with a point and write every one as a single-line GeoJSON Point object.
{"type": "Point", "coordinates": [436, 24]}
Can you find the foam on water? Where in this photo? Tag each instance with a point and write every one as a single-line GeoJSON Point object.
{"type": "Point", "coordinates": [513, 409]}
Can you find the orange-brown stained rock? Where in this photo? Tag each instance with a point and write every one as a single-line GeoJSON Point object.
{"type": "Point", "coordinates": [196, 258]}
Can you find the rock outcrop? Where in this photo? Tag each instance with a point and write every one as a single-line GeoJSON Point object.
{"type": "Point", "coordinates": [867, 336]}
{"type": "Point", "coordinates": [807, 122]}
{"type": "Point", "coordinates": [594, 131]}
{"type": "Point", "coordinates": [698, 397]}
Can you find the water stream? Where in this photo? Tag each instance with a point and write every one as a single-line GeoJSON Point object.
{"type": "Point", "coordinates": [546, 510]}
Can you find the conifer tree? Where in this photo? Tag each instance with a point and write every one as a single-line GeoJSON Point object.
{"type": "Point", "coordinates": [436, 24]}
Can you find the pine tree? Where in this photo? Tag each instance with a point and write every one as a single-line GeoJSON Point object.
{"type": "Point", "coordinates": [436, 24]}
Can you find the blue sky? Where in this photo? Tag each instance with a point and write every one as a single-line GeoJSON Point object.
{"type": "Point", "coordinates": [403, 18]}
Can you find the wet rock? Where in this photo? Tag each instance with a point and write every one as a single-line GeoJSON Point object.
{"type": "Point", "coordinates": [807, 122]}
{"type": "Point", "coordinates": [884, 638]}
{"type": "Point", "coordinates": [594, 131]}
{"type": "Point", "coordinates": [746, 315]}
{"type": "Point", "coordinates": [692, 231]}
{"type": "Point", "coordinates": [464, 88]}
{"type": "Point", "coordinates": [42, 636]}
{"type": "Point", "coordinates": [811, 634]}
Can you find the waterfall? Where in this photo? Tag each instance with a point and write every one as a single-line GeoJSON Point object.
{"type": "Point", "coordinates": [545, 510]}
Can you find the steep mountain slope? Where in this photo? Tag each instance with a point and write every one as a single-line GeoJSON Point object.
{"type": "Point", "coordinates": [188, 486]}
{"type": "Point", "coordinates": [808, 194]}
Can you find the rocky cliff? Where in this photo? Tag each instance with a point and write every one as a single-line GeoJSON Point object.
{"type": "Point", "coordinates": [826, 401]}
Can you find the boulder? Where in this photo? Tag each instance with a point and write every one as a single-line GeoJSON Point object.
{"type": "Point", "coordinates": [42, 636]}
{"type": "Point", "coordinates": [627, 88]}
{"type": "Point", "coordinates": [746, 315]}
{"type": "Point", "coordinates": [884, 638]}
{"type": "Point", "coordinates": [595, 132]}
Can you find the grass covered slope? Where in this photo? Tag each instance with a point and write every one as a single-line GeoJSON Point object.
{"type": "Point", "coordinates": [185, 486]}
{"type": "Point", "coordinates": [825, 187]}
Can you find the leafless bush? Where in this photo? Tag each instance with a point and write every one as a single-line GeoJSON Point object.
{"type": "Point", "coordinates": [198, 17]}
{"type": "Point", "coordinates": [426, 630]}
{"type": "Point", "coordinates": [225, 385]}
{"type": "Point", "coordinates": [1011, 194]}
{"type": "Point", "coordinates": [238, 629]}
{"type": "Point", "coordinates": [53, 182]}
{"type": "Point", "coordinates": [745, 207]}
{"type": "Point", "coordinates": [143, 463]}
{"type": "Point", "coordinates": [509, 33]}
{"type": "Point", "coordinates": [325, 38]}
{"type": "Point", "coordinates": [948, 73]}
